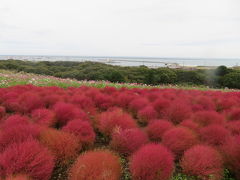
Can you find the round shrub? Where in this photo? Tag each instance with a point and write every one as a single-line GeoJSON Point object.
{"type": "Point", "coordinates": [137, 104]}
{"type": "Point", "coordinates": [201, 103]}
{"type": "Point", "coordinates": [127, 141]}
{"type": "Point", "coordinates": [29, 158]}
{"type": "Point", "coordinates": [17, 134]}
{"type": "Point", "coordinates": [205, 118]}
{"type": "Point", "coordinates": [160, 105]}
{"type": "Point", "coordinates": [157, 128]}
{"type": "Point", "coordinates": [92, 165]}
{"type": "Point", "coordinates": [18, 177]}
{"type": "Point", "coordinates": [29, 101]}
{"type": "Point", "coordinates": [2, 112]}
{"type": "Point", "coordinates": [177, 112]}
{"type": "Point", "coordinates": [146, 114]}
{"type": "Point", "coordinates": [14, 120]}
{"type": "Point", "coordinates": [233, 127]}
{"type": "Point", "coordinates": [152, 162]}
{"type": "Point", "coordinates": [66, 112]}
{"type": "Point", "coordinates": [109, 120]}
{"type": "Point", "coordinates": [234, 114]}
{"type": "Point", "coordinates": [214, 135]}
{"type": "Point", "coordinates": [123, 99]}
{"type": "Point", "coordinates": [179, 139]}
{"type": "Point", "coordinates": [231, 154]}
{"type": "Point", "coordinates": [188, 123]}
{"type": "Point", "coordinates": [82, 129]}
{"type": "Point", "coordinates": [64, 146]}
{"type": "Point", "coordinates": [43, 117]}
{"type": "Point", "coordinates": [202, 161]}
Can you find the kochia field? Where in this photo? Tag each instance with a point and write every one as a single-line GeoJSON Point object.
{"type": "Point", "coordinates": [88, 133]}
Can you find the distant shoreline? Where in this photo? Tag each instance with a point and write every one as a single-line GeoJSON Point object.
{"type": "Point", "coordinates": [151, 62]}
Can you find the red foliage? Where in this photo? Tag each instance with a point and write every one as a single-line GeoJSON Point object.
{"type": "Point", "coordinates": [214, 135]}
{"type": "Point", "coordinates": [44, 117]}
{"type": "Point", "coordinates": [17, 134]}
{"type": "Point", "coordinates": [224, 103]}
{"type": "Point", "coordinates": [15, 120]}
{"type": "Point", "coordinates": [103, 101]}
{"type": "Point", "coordinates": [64, 146]}
{"type": "Point", "coordinates": [123, 99]}
{"type": "Point", "coordinates": [177, 112]}
{"type": "Point", "coordinates": [82, 101]}
{"type": "Point", "coordinates": [204, 162]}
{"type": "Point", "coordinates": [18, 177]}
{"type": "Point", "coordinates": [66, 112]}
{"type": "Point", "coordinates": [82, 129]}
{"type": "Point", "coordinates": [160, 105]}
{"type": "Point", "coordinates": [188, 123]}
{"type": "Point", "coordinates": [128, 141]}
{"type": "Point", "coordinates": [157, 128]}
{"type": "Point", "coordinates": [2, 112]}
{"type": "Point", "coordinates": [146, 114]}
{"type": "Point", "coordinates": [234, 114]}
{"type": "Point", "coordinates": [51, 99]}
{"type": "Point", "coordinates": [152, 162]}
{"type": "Point", "coordinates": [29, 101]}
{"type": "Point", "coordinates": [231, 151]}
{"type": "Point", "coordinates": [201, 103]}
{"type": "Point", "coordinates": [29, 158]}
{"type": "Point", "coordinates": [179, 139]}
{"type": "Point", "coordinates": [116, 118]}
{"type": "Point", "coordinates": [205, 118]}
{"type": "Point", "coordinates": [92, 165]}
{"type": "Point", "coordinates": [233, 127]}
{"type": "Point", "coordinates": [137, 104]}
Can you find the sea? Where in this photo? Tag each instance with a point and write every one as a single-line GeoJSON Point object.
{"type": "Point", "coordinates": [134, 61]}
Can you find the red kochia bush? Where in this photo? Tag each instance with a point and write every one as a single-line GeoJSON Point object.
{"type": "Point", "coordinates": [138, 103]}
{"type": "Point", "coordinates": [29, 158]}
{"type": "Point", "coordinates": [146, 114]}
{"type": "Point", "coordinates": [2, 111]}
{"type": "Point", "coordinates": [204, 162]}
{"type": "Point", "coordinates": [14, 120]}
{"type": "Point", "coordinates": [29, 101]}
{"type": "Point", "coordinates": [233, 127]}
{"type": "Point", "coordinates": [127, 141]}
{"type": "Point", "coordinates": [179, 139]}
{"type": "Point", "coordinates": [205, 118]}
{"type": "Point", "coordinates": [18, 177]}
{"type": "Point", "coordinates": [157, 128]}
{"type": "Point", "coordinates": [160, 105]}
{"type": "Point", "coordinates": [64, 146]}
{"type": "Point", "coordinates": [43, 117]}
{"type": "Point", "coordinates": [177, 112]}
{"type": "Point", "coordinates": [188, 123]}
{"type": "Point", "coordinates": [231, 152]}
{"type": "Point", "coordinates": [17, 134]}
{"type": "Point", "coordinates": [203, 103]}
{"type": "Point", "coordinates": [234, 114]}
{"type": "Point", "coordinates": [214, 135]}
{"type": "Point", "coordinates": [123, 99]}
{"type": "Point", "coordinates": [66, 112]}
{"type": "Point", "coordinates": [82, 129]}
{"type": "Point", "coordinates": [116, 118]}
{"type": "Point", "coordinates": [92, 165]}
{"type": "Point", "coordinates": [152, 162]}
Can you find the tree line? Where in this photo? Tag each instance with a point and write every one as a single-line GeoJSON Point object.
{"type": "Point", "coordinates": [216, 78]}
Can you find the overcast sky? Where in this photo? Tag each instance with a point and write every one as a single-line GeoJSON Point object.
{"type": "Point", "coordinates": [156, 28]}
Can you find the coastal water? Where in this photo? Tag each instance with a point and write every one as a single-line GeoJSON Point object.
{"type": "Point", "coordinates": [133, 61]}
